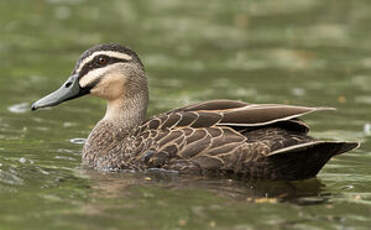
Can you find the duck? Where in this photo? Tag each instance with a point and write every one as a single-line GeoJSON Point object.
{"type": "Point", "coordinates": [227, 138]}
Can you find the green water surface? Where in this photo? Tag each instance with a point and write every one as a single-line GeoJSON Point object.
{"type": "Point", "coordinates": [307, 52]}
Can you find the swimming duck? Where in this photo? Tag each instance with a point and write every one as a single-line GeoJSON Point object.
{"type": "Point", "coordinates": [217, 137]}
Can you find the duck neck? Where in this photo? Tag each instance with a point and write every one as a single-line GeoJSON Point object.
{"type": "Point", "coordinates": [127, 113]}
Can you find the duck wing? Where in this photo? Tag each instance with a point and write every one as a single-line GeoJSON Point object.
{"type": "Point", "coordinates": [235, 114]}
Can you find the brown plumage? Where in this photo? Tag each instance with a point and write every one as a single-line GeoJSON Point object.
{"type": "Point", "coordinates": [220, 137]}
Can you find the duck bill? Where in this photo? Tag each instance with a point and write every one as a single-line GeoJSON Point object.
{"type": "Point", "coordinates": [69, 90]}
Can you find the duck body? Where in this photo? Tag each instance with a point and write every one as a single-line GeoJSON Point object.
{"type": "Point", "coordinates": [219, 137]}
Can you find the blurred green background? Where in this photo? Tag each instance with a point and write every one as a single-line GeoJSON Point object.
{"type": "Point", "coordinates": [307, 52]}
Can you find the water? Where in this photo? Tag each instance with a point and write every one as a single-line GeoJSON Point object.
{"type": "Point", "coordinates": [307, 52]}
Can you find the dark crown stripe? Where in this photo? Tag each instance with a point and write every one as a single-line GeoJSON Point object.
{"type": "Point", "coordinates": [107, 47]}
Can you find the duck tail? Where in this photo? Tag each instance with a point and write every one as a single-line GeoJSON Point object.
{"type": "Point", "coordinates": [303, 161]}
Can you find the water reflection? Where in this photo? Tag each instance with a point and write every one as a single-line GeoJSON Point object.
{"type": "Point", "coordinates": [114, 185]}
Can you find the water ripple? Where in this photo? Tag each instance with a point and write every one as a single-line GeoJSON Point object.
{"type": "Point", "coordinates": [78, 141]}
{"type": "Point", "coordinates": [19, 108]}
{"type": "Point", "coordinates": [10, 177]}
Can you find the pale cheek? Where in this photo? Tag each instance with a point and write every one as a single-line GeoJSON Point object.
{"type": "Point", "coordinates": [109, 90]}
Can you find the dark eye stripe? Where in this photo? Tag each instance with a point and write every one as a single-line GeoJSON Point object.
{"type": "Point", "coordinates": [94, 64]}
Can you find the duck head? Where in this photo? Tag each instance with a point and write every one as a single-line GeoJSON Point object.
{"type": "Point", "coordinates": [110, 71]}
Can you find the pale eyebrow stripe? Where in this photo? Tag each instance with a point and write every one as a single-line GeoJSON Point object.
{"type": "Point", "coordinates": [113, 54]}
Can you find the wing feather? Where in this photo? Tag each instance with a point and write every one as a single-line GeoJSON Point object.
{"type": "Point", "coordinates": [235, 114]}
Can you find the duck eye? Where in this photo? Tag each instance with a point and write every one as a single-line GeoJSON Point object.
{"type": "Point", "coordinates": [102, 60]}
